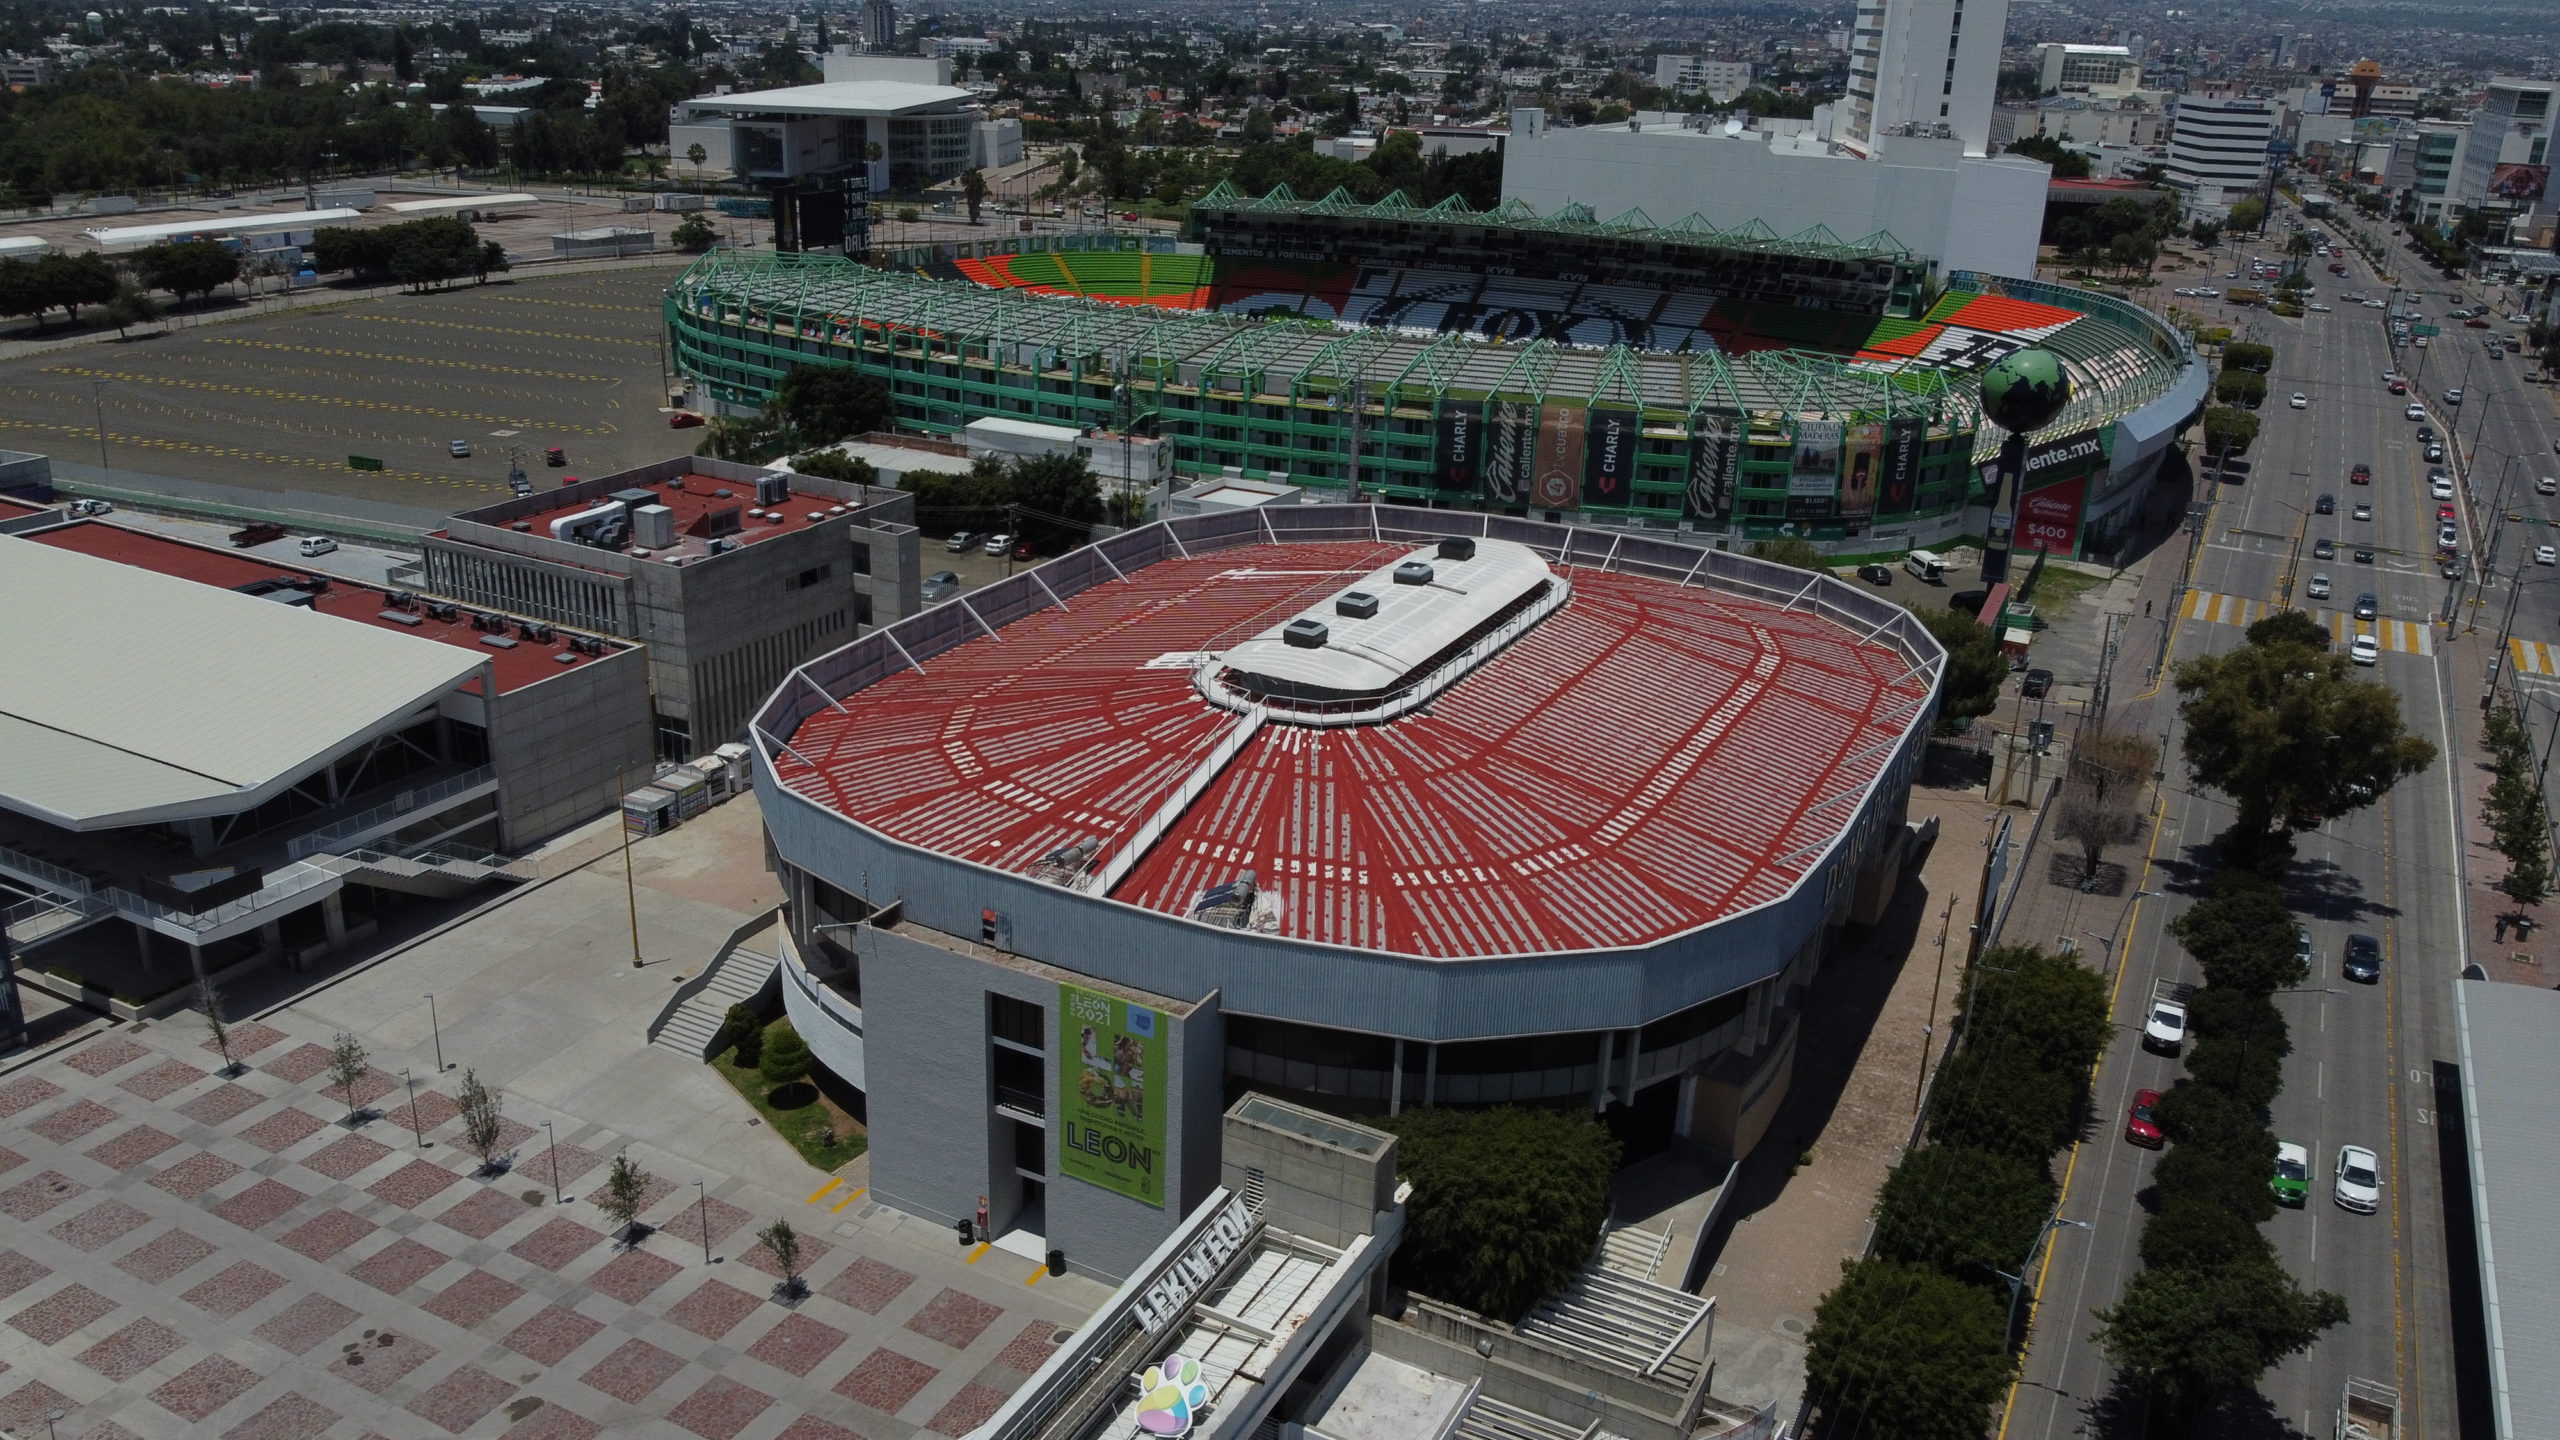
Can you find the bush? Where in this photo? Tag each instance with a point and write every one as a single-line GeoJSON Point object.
{"type": "Point", "coordinates": [836, 465]}
{"type": "Point", "coordinates": [786, 1058]}
{"type": "Point", "coordinates": [2189, 1230]}
{"type": "Point", "coordinates": [2050, 1008]}
{"type": "Point", "coordinates": [2240, 387]}
{"type": "Point", "coordinates": [2242, 934]}
{"type": "Point", "coordinates": [1967, 1212]}
{"type": "Point", "coordinates": [2230, 1180]}
{"type": "Point", "coordinates": [1998, 1100]}
{"type": "Point", "coordinates": [2248, 355]}
{"type": "Point", "coordinates": [743, 1028]}
{"type": "Point", "coordinates": [1904, 1351]}
{"type": "Point", "coordinates": [1507, 1203]}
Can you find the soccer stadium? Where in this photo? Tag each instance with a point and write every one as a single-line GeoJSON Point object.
{"type": "Point", "coordinates": [1363, 806]}
{"type": "Point", "coordinates": [1733, 382]}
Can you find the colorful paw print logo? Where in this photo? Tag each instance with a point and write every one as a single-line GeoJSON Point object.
{"type": "Point", "coordinates": [1174, 1390]}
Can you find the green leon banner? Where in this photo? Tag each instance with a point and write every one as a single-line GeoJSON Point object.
{"type": "Point", "coordinates": [1111, 1086]}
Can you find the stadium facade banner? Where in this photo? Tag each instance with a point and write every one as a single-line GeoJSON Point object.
{"type": "Point", "coordinates": [2049, 519]}
{"type": "Point", "coordinates": [1556, 482]}
{"type": "Point", "coordinates": [1898, 492]}
{"type": "Point", "coordinates": [1865, 447]}
{"type": "Point", "coordinates": [1609, 456]}
{"type": "Point", "coordinates": [1813, 477]}
{"type": "Point", "coordinates": [1715, 466]}
{"type": "Point", "coordinates": [1111, 1084]}
{"type": "Point", "coordinates": [1461, 424]}
{"type": "Point", "coordinates": [2060, 476]}
{"type": "Point", "coordinates": [1510, 451]}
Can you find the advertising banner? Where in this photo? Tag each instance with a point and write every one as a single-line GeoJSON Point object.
{"type": "Point", "coordinates": [1813, 478]}
{"type": "Point", "coordinates": [1510, 452]}
{"type": "Point", "coordinates": [1898, 493]}
{"type": "Point", "coordinates": [1111, 1086]}
{"type": "Point", "coordinates": [2049, 519]}
{"type": "Point", "coordinates": [2060, 476]}
{"type": "Point", "coordinates": [1461, 438]}
{"type": "Point", "coordinates": [1858, 482]}
{"type": "Point", "coordinates": [1556, 483]}
{"type": "Point", "coordinates": [1609, 458]}
{"type": "Point", "coordinates": [2519, 184]}
{"type": "Point", "coordinates": [1715, 466]}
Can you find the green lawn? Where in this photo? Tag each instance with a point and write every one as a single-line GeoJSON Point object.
{"type": "Point", "coordinates": [804, 1112]}
{"type": "Point", "coordinates": [2057, 587]}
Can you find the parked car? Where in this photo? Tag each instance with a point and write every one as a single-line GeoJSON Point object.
{"type": "Point", "coordinates": [316, 545]}
{"type": "Point", "coordinates": [684, 420]}
{"type": "Point", "coordinates": [555, 457]}
{"type": "Point", "coordinates": [2440, 486]}
{"type": "Point", "coordinates": [999, 543]}
{"type": "Point", "coordinates": [2357, 1185]}
{"type": "Point", "coordinates": [2426, 434]}
{"type": "Point", "coordinates": [459, 449]}
{"type": "Point", "coordinates": [2037, 684]}
{"type": "Point", "coordinates": [963, 541]}
{"type": "Point", "coordinates": [2363, 962]}
{"type": "Point", "coordinates": [1876, 574]}
{"type": "Point", "coordinates": [2365, 650]}
{"type": "Point", "coordinates": [1022, 549]}
{"type": "Point", "coordinates": [2139, 1126]}
{"type": "Point", "coordinates": [2435, 454]}
{"type": "Point", "coordinates": [2164, 1029]}
{"type": "Point", "coordinates": [2291, 1184]}
{"type": "Point", "coordinates": [940, 585]}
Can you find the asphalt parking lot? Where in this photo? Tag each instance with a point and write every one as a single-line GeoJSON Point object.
{"type": "Point", "coordinates": [277, 404]}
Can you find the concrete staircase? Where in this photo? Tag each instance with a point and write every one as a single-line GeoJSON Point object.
{"type": "Point", "coordinates": [693, 1022]}
{"type": "Point", "coordinates": [432, 873]}
{"type": "Point", "coordinates": [1490, 1419]}
{"type": "Point", "coordinates": [1635, 1252]}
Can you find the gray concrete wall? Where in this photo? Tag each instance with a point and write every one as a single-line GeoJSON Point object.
{"type": "Point", "coordinates": [1320, 1191]}
{"type": "Point", "coordinates": [936, 1141]}
{"type": "Point", "coordinates": [562, 747]}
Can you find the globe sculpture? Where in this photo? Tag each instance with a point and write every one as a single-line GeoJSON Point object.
{"type": "Point", "coordinates": [2023, 390]}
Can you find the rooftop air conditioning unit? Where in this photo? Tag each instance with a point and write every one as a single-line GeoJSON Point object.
{"type": "Point", "coordinates": [1358, 604]}
{"type": "Point", "coordinates": [1458, 547]}
{"type": "Point", "coordinates": [654, 526]}
{"type": "Point", "coordinates": [1305, 634]}
{"type": "Point", "coordinates": [399, 599]}
{"type": "Point", "coordinates": [772, 490]}
{"type": "Point", "coordinates": [676, 484]}
{"type": "Point", "coordinates": [443, 610]}
{"type": "Point", "coordinates": [1414, 572]}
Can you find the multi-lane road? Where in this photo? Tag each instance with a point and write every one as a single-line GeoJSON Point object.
{"type": "Point", "coordinates": [2369, 1061]}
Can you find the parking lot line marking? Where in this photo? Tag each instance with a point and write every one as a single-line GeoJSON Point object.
{"type": "Point", "coordinates": [1034, 1277]}
{"type": "Point", "coordinates": [983, 1247]}
{"type": "Point", "coordinates": [850, 1196]}
{"type": "Point", "coordinates": [821, 1192]}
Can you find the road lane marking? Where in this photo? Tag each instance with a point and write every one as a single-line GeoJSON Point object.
{"type": "Point", "coordinates": [2406, 637]}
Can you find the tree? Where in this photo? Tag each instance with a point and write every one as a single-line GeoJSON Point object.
{"type": "Point", "coordinates": [626, 1189]}
{"type": "Point", "coordinates": [2050, 1009]}
{"type": "Point", "coordinates": [1059, 497]}
{"type": "Point", "coordinates": [346, 1067]}
{"type": "Point", "coordinates": [822, 404]}
{"type": "Point", "coordinates": [1257, 128]}
{"type": "Point", "coordinates": [2194, 1334]}
{"type": "Point", "coordinates": [211, 999]}
{"type": "Point", "coordinates": [743, 1028]}
{"type": "Point", "coordinates": [2291, 736]}
{"type": "Point", "coordinates": [1977, 668]}
{"type": "Point", "coordinates": [1967, 1212]}
{"type": "Point", "coordinates": [693, 234]}
{"type": "Point", "coordinates": [1791, 552]}
{"type": "Point", "coordinates": [1995, 1099]}
{"type": "Point", "coordinates": [695, 155]}
{"type": "Point", "coordinates": [835, 465]}
{"type": "Point", "coordinates": [2068, 164]}
{"type": "Point", "coordinates": [2514, 811]}
{"type": "Point", "coordinates": [973, 190]}
{"type": "Point", "coordinates": [2242, 935]}
{"type": "Point", "coordinates": [2094, 823]}
{"type": "Point", "coordinates": [187, 267]}
{"type": "Point", "coordinates": [2112, 763]}
{"type": "Point", "coordinates": [2205, 233]}
{"type": "Point", "coordinates": [1901, 1350]}
{"type": "Point", "coordinates": [132, 305]}
{"type": "Point", "coordinates": [2228, 431]}
{"type": "Point", "coordinates": [2249, 217]}
{"type": "Point", "coordinates": [2195, 1231]}
{"type": "Point", "coordinates": [786, 1059]}
{"type": "Point", "coordinates": [483, 1127]}
{"type": "Point", "coordinates": [2240, 387]}
{"type": "Point", "coordinates": [1507, 1203]}
{"type": "Point", "coordinates": [783, 1244]}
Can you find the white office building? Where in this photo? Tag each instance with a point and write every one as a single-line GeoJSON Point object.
{"type": "Point", "coordinates": [1923, 68]}
{"type": "Point", "coordinates": [925, 127]}
{"type": "Point", "coordinates": [2218, 150]}
{"type": "Point", "coordinates": [1720, 80]}
{"type": "Point", "coordinates": [2504, 163]}
{"type": "Point", "coordinates": [2098, 71]}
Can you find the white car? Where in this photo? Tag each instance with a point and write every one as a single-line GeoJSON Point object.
{"type": "Point", "coordinates": [2546, 486]}
{"type": "Point", "coordinates": [2364, 510]}
{"type": "Point", "coordinates": [2318, 589]}
{"type": "Point", "coordinates": [2358, 1185]}
{"type": "Point", "coordinates": [317, 545]}
{"type": "Point", "coordinates": [2546, 555]}
{"type": "Point", "coordinates": [2375, 305]}
{"type": "Point", "coordinates": [2317, 307]}
{"type": "Point", "coordinates": [2414, 411]}
{"type": "Point", "coordinates": [2365, 650]}
{"type": "Point", "coordinates": [2166, 1028]}
{"type": "Point", "coordinates": [2300, 401]}
{"type": "Point", "coordinates": [2441, 488]}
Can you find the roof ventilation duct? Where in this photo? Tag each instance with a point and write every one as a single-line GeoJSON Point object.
{"type": "Point", "coordinates": [1305, 634]}
{"type": "Point", "coordinates": [1414, 572]}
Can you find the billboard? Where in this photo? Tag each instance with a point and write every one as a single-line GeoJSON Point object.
{"type": "Point", "coordinates": [1715, 465]}
{"type": "Point", "coordinates": [2049, 519]}
{"type": "Point", "coordinates": [2519, 184]}
{"type": "Point", "coordinates": [2060, 476]}
{"type": "Point", "coordinates": [1813, 476]}
{"type": "Point", "coordinates": [1556, 481]}
{"type": "Point", "coordinates": [1898, 491]}
{"type": "Point", "coordinates": [1609, 457]}
{"type": "Point", "coordinates": [1111, 1086]}
{"type": "Point", "coordinates": [1865, 447]}
{"type": "Point", "coordinates": [1461, 441]}
{"type": "Point", "coordinates": [1510, 451]}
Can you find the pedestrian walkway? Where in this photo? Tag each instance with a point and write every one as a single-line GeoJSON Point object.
{"type": "Point", "coordinates": [2534, 657]}
{"type": "Point", "coordinates": [2407, 637]}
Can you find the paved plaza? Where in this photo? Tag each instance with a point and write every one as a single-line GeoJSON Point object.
{"type": "Point", "coordinates": [190, 1254]}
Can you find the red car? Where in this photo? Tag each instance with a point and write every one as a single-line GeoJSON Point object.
{"type": "Point", "coordinates": [1021, 549]}
{"type": "Point", "coordinates": [2361, 475]}
{"type": "Point", "coordinates": [2475, 323]}
{"type": "Point", "coordinates": [2139, 1127]}
{"type": "Point", "coordinates": [2444, 512]}
{"type": "Point", "coordinates": [683, 420]}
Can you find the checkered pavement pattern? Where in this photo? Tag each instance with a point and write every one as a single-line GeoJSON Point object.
{"type": "Point", "coordinates": [193, 1255]}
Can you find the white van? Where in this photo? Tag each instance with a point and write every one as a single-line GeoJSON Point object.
{"type": "Point", "coordinates": [1925, 566]}
{"type": "Point", "coordinates": [317, 545]}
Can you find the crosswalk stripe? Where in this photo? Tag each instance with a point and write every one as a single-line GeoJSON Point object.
{"type": "Point", "coordinates": [2406, 637]}
{"type": "Point", "coordinates": [823, 1190]}
{"type": "Point", "coordinates": [2533, 657]}
{"type": "Point", "coordinates": [850, 1197]}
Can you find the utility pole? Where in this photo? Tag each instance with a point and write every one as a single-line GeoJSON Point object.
{"type": "Point", "coordinates": [98, 397]}
{"type": "Point", "coordinates": [630, 887]}
{"type": "Point", "coordinates": [1928, 1032]}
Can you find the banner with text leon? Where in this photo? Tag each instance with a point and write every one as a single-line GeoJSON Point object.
{"type": "Point", "coordinates": [1111, 1086]}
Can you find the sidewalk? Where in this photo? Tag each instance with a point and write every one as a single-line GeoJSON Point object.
{"type": "Point", "coordinates": [2499, 948]}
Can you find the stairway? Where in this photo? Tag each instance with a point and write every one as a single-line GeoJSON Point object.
{"type": "Point", "coordinates": [1635, 1252]}
{"type": "Point", "coordinates": [694, 1022]}
{"type": "Point", "coordinates": [1490, 1419]}
{"type": "Point", "coordinates": [432, 873]}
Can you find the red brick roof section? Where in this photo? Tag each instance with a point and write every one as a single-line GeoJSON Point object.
{"type": "Point", "coordinates": [515, 668]}
{"type": "Point", "coordinates": [701, 495]}
{"type": "Point", "coordinates": [1648, 760]}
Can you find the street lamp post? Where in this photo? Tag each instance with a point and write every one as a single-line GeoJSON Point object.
{"type": "Point", "coordinates": [437, 1030]}
{"type": "Point", "coordinates": [553, 1137]}
{"type": "Point", "coordinates": [2018, 1282]}
{"type": "Point", "coordinates": [702, 1211]}
{"type": "Point", "coordinates": [417, 1125]}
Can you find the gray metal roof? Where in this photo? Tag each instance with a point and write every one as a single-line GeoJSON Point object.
{"type": "Point", "coordinates": [840, 97]}
{"type": "Point", "coordinates": [129, 696]}
{"type": "Point", "coordinates": [2511, 1121]}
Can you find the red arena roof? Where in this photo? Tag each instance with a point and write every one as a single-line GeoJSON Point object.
{"type": "Point", "coordinates": [1648, 759]}
{"type": "Point", "coordinates": [515, 667]}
